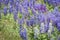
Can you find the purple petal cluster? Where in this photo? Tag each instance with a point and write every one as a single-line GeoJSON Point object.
{"type": "Point", "coordinates": [40, 7]}
{"type": "Point", "coordinates": [53, 2]}
{"type": "Point", "coordinates": [23, 33]}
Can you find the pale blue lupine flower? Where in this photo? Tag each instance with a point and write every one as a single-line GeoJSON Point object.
{"type": "Point", "coordinates": [36, 32]}
{"type": "Point", "coordinates": [51, 28]}
{"type": "Point", "coordinates": [42, 29]}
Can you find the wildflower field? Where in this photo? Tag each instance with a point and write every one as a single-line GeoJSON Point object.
{"type": "Point", "coordinates": [29, 19]}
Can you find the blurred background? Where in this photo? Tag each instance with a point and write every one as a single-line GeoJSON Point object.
{"type": "Point", "coordinates": [22, 20]}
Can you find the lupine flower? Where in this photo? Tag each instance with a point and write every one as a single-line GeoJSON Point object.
{"type": "Point", "coordinates": [21, 21]}
{"type": "Point", "coordinates": [25, 4]}
{"type": "Point", "coordinates": [46, 27]}
{"type": "Point", "coordinates": [32, 21]}
{"type": "Point", "coordinates": [23, 33]}
{"type": "Point", "coordinates": [5, 10]}
{"type": "Point", "coordinates": [15, 14]}
{"type": "Point", "coordinates": [33, 11]}
{"type": "Point", "coordinates": [23, 11]}
{"type": "Point", "coordinates": [20, 8]}
{"type": "Point", "coordinates": [40, 7]}
{"type": "Point", "coordinates": [56, 12]}
{"type": "Point", "coordinates": [58, 26]}
{"type": "Point", "coordinates": [52, 17]}
{"type": "Point", "coordinates": [42, 17]}
{"type": "Point", "coordinates": [36, 5]}
{"type": "Point", "coordinates": [25, 7]}
{"type": "Point", "coordinates": [42, 28]}
{"type": "Point", "coordinates": [11, 2]}
{"type": "Point", "coordinates": [18, 1]}
{"type": "Point", "coordinates": [10, 8]}
{"type": "Point", "coordinates": [51, 27]}
{"type": "Point", "coordinates": [17, 5]}
{"type": "Point", "coordinates": [0, 1]}
{"type": "Point", "coordinates": [31, 3]}
{"type": "Point", "coordinates": [57, 17]}
{"type": "Point", "coordinates": [6, 2]}
{"type": "Point", "coordinates": [36, 32]}
{"type": "Point", "coordinates": [27, 22]}
{"type": "Point", "coordinates": [53, 2]}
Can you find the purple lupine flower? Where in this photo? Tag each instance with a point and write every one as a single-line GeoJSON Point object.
{"type": "Point", "coordinates": [18, 1]}
{"type": "Point", "coordinates": [28, 23]}
{"type": "Point", "coordinates": [17, 5]}
{"type": "Point", "coordinates": [36, 5]}
{"type": "Point", "coordinates": [21, 8]}
{"type": "Point", "coordinates": [40, 7]}
{"type": "Point", "coordinates": [15, 14]}
{"type": "Point", "coordinates": [33, 11]}
{"type": "Point", "coordinates": [25, 4]}
{"type": "Point", "coordinates": [31, 3]}
{"type": "Point", "coordinates": [6, 2]}
{"type": "Point", "coordinates": [5, 10]}
{"type": "Point", "coordinates": [52, 17]}
{"type": "Point", "coordinates": [11, 2]}
{"type": "Point", "coordinates": [32, 21]}
{"type": "Point", "coordinates": [23, 33]}
{"type": "Point", "coordinates": [26, 12]}
{"type": "Point", "coordinates": [58, 26]}
{"type": "Point", "coordinates": [42, 17]}
{"type": "Point", "coordinates": [56, 12]}
{"type": "Point", "coordinates": [46, 27]}
{"type": "Point", "coordinates": [10, 8]}
{"type": "Point", "coordinates": [0, 1]}
{"type": "Point", "coordinates": [21, 21]}
{"type": "Point", "coordinates": [57, 15]}
{"type": "Point", "coordinates": [25, 7]}
{"type": "Point", "coordinates": [53, 2]}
